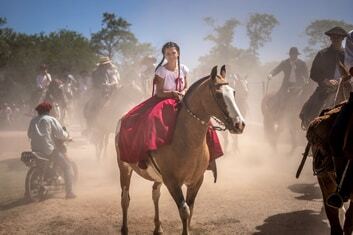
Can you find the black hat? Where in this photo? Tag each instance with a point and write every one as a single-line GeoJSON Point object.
{"type": "Point", "coordinates": [336, 31]}
{"type": "Point", "coordinates": [294, 50]}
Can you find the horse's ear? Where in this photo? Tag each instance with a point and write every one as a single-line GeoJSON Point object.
{"type": "Point", "coordinates": [223, 71]}
{"type": "Point", "coordinates": [214, 72]}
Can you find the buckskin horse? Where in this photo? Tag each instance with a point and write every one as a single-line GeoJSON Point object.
{"type": "Point", "coordinates": [186, 158]}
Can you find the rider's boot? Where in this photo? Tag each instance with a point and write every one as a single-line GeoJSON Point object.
{"type": "Point", "coordinates": [213, 167]}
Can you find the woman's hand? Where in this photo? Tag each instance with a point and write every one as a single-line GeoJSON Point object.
{"type": "Point", "coordinates": [177, 95]}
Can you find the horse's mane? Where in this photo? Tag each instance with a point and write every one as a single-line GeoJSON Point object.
{"type": "Point", "coordinates": [195, 85]}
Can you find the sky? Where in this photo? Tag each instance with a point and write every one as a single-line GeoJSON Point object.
{"type": "Point", "coordinates": [159, 21]}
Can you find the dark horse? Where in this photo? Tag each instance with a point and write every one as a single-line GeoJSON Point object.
{"type": "Point", "coordinates": [280, 112]}
{"type": "Point", "coordinates": [324, 169]}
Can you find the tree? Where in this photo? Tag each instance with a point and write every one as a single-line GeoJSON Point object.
{"type": "Point", "coordinates": [315, 32]}
{"type": "Point", "coordinates": [115, 32]}
{"type": "Point", "coordinates": [68, 51]}
{"type": "Point", "coordinates": [223, 51]}
{"type": "Point", "coordinates": [259, 29]}
{"type": "Point", "coordinates": [3, 21]}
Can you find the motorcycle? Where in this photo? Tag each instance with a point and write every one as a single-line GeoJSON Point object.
{"type": "Point", "coordinates": [44, 176]}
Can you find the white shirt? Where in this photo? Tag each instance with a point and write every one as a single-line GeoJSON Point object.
{"type": "Point", "coordinates": [292, 77]}
{"type": "Point", "coordinates": [43, 81]}
{"type": "Point", "coordinates": [43, 131]}
{"type": "Point", "coordinates": [348, 50]}
{"type": "Point", "coordinates": [113, 76]}
{"type": "Point", "coordinates": [171, 76]}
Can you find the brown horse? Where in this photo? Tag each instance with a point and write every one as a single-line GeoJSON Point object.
{"type": "Point", "coordinates": [185, 160]}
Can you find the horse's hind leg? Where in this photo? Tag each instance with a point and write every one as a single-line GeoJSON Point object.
{"type": "Point", "coordinates": [191, 195]}
{"type": "Point", "coordinates": [348, 222]}
{"type": "Point", "coordinates": [177, 194]}
{"type": "Point", "coordinates": [125, 177]}
{"type": "Point", "coordinates": [156, 193]}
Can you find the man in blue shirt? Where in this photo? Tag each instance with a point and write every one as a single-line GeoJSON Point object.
{"type": "Point", "coordinates": [44, 130]}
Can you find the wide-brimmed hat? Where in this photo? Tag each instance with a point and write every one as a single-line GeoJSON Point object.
{"type": "Point", "coordinates": [336, 31]}
{"type": "Point", "coordinates": [104, 60]}
{"type": "Point", "coordinates": [294, 51]}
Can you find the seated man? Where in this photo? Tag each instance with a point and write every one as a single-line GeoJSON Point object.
{"type": "Point", "coordinates": [295, 77]}
{"type": "Point", "coordinates": [105, 81]}
{"type": "Point", "coordinates": [44, 131]}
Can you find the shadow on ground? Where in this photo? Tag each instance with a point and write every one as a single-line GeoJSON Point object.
{"type": "Point", "coordinates": [305, 222]}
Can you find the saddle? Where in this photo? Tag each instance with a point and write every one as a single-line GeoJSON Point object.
{"type": "Point", "coordinates": [319, 129]}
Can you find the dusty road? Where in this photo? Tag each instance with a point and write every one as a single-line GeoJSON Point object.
{"type": "Point", "coordinates": [256, 193]}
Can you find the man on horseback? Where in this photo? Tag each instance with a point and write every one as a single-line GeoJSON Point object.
{"type": "Point", "coordinates": [325, 71]}
{"type": "Point", "coordinates": [147, 73]}
{"type": "Point", "coordinates": [55, 94]}
{"type": "Point", "coordinates": [105, 80]}
{"type": "Point", "coordinates": [340, 140]}
{"type": "Point", "coordinates": [295, 77]}
{"type": "Point", "coordinates": [45, 131]}
{"type": "Point", "coordinates": [42, 83]}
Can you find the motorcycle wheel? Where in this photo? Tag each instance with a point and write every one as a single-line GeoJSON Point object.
{"type": "Point", "coordinates": [35, 190]}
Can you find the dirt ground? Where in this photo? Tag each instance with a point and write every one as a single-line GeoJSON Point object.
{"type": "Point", "coordinates": [256, 193]}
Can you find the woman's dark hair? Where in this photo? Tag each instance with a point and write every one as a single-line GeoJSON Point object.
{"type": "Point", "coordinates": [170, 45]}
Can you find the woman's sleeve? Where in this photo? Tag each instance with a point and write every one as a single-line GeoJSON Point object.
{"type": "Point", "coordinates": [185, 70]}
{"type": "Point", "coordinates": [159, 72]}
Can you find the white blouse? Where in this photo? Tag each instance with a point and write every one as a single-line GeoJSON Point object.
{"type": "Point", "coordinates": [170, 83]}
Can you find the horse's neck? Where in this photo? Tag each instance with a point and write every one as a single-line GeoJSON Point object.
{"type": "Point", "coordinates": [188, 129]}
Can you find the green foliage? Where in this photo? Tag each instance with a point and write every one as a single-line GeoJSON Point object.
{"type": "Point", "coordinates": [259, 29]}
{"type": "Point", "coordinates": [22, 54]}
{"type": "Point", "coordinates": [224, 51]}
{"type": "Point", "coordinates": [113, 35]}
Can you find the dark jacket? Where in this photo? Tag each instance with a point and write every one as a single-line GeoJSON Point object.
{"type": "Point", "coordinates": [324, 64]}
{"type": "Point", "coordinates": [301, 72]}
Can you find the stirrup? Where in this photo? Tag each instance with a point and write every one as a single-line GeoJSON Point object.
{"type": "Point", "coordinates": [335, 200]}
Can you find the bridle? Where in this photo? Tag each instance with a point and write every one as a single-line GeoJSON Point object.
{"type": "Point", "coordinates": [222, 126]}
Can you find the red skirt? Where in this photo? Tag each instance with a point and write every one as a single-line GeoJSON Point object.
{"type": "Point", "coordinates": [150, 125]}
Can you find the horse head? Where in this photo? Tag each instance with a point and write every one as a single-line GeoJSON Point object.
{"type": "Point", "coordinates": [221, 104]}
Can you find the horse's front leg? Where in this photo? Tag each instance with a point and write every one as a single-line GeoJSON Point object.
{"type": "Point", "coordinates": [156, 193]}
{"type": "Point", "coordinates": [125, 177]}
{"type": "Point", "coordinates": [348, 222]}
{"type": "Point", "coordinates": [191, 195]}
{"type": "Point", "coordinates": [177, 194]}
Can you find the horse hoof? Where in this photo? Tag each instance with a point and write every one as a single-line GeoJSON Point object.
{"type": "Point", "coordinates": [124, 231]}
{"type": "Point", "coordinates": [159, 232]}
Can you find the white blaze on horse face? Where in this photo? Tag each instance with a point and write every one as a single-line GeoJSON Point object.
{"type": "Point", "coordinates": [232, 107]}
